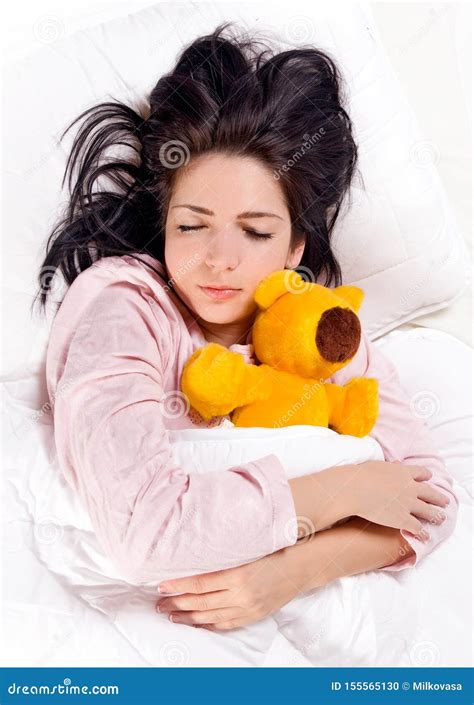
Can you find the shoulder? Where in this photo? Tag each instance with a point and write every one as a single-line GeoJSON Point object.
{"type": "Point", "coordinates": [140, 273]}
{"type": "Point", "coordinates": [118, 283]}
{"type": "Point", "coordinates": [114, 308]}
{"type": "Point", "coordinates": [118, 302]}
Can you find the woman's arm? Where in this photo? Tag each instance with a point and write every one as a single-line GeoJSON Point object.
{"type": "Point", "coordinates": [347, 549]}
{"type": "Point", "coordinates": [321, 499]}
{"type": "Point", "coordinates": [236, 597]}
{"type": "Point", "coordinates": [106, 368]}
{"type": "Point", "coordinates": [404, 437]}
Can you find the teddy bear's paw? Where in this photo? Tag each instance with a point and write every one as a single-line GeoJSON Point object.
{"type": "Point", "coordinates": [209, 380]}
{"type": "Point", "coordinates": [361, 407]}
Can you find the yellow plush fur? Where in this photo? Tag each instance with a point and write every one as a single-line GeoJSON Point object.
{"type": "Point", "coordinates": [302, 335]}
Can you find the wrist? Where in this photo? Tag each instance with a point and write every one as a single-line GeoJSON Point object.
{"type": "Point", "coordinates": [335, 495]}
{"type": "Point", "coordinates": [302, 563]}
{"type": "Point", "coordinates": [347, 493]}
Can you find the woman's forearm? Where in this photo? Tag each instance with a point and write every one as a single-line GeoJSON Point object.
{"type": "Point", "coordinates": [322, 498]}
{"type": "Point", "coordinates": [347, 549]}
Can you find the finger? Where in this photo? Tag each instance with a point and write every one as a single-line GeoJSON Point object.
{"type": "Point", "coordinates": [227, 626]}
{"type": "Point", "coordinates": [428, 493]}
{"type": "Point", "coordinates": [238, 623]}
{"type": "Point", "coordinates": [415, 527]}
{"type": "Point", "coordinates": [189, 601]}
{"type": "Point", "coordinates": [420, 473]}
{"type": "Point", "coordinates": [429, 512]}
{"type": "Point", "coordinates": [205, 582]}
{"type": "Point", "coordinates": [208, 617]}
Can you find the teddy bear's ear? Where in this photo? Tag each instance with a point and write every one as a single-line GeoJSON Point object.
{"type": "Point", "coordinates": [351, 294]}
{"type": "Point", "coordinates": [275, 285]}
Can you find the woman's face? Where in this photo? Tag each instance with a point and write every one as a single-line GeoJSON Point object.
{"type": "Point", "coordinates": [227, 225]}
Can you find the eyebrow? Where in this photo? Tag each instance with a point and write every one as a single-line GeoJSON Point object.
{"type": "Point", "coordinates": [245, 214]}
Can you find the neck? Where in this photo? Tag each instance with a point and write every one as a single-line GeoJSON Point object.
{"type": "Point", "coordinates": [226, 334]}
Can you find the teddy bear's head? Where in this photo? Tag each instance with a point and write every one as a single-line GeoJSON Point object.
{"type": "Point", "coordinates": [305, 328]}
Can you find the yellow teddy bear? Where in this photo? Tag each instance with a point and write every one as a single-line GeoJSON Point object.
{"type": "Point", "coordinates": [302, 335]}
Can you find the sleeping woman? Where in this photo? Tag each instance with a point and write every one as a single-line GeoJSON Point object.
{"type": "Point", "coordinates": [236, 167]}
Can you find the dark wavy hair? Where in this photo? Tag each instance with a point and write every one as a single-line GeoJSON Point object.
{"type": "Point", "coordinates": [225, 94]}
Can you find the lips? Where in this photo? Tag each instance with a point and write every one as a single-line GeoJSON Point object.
{"type": "Point", "coordinates": [218, 293]}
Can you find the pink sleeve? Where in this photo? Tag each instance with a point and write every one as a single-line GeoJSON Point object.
{"type": "Point", "coordinates": [152, 518]}
{"type": "Point", "coordinates": [406, 438]}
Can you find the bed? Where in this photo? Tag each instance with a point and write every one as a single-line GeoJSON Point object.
{"type": "Point", "coordinates": [63, 604]}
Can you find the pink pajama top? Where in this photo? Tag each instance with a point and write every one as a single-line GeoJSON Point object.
{"type": "Point", "coordinates": [115, 356]}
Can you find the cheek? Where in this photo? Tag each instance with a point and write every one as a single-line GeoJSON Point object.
{"type": "Point", "coordinates": [180, 255]}
{"type": "Point", "coordinates": [265, 260]}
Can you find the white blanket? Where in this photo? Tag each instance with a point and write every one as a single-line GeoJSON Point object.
{"type": "Point", "coordinates": [365, 620]}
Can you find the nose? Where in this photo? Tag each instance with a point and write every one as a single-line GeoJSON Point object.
{"type": "Point", "coordinates": [221, 252]}
{"type": "Point", "coordinates": [338, 334]}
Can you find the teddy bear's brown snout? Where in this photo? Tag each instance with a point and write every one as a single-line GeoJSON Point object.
{"type": "Point", "coordinates": [338, 334]}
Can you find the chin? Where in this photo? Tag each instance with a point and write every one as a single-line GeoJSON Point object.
{"type": "Point", "coordinates": [228, 315]}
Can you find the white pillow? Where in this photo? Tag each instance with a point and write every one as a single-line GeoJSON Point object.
{"type": "Point", "coordinates": [57, 510]}
{"type": "Point", "coordinates": [398, 241]}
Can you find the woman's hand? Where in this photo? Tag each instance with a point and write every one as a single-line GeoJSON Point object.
{"type": "Point", "coordinates": [393, 494]}
{"type": "Point", "coordinates": [235, 597]}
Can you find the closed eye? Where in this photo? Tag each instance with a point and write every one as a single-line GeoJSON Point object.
{"type": "Point", "coordinates": [262, 236]}
{"type": "Point", "coordinates": [185, 228]}
{"type": "Point", "coordinates": [252, 233]}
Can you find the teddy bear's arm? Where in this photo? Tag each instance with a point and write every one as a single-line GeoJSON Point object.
{"type": "Point", "coordinates": [217, 380]}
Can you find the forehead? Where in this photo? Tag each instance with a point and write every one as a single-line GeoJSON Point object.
{"type": "Point", "coordinates": [229, 183]}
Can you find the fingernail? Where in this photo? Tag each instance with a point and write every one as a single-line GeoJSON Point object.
{"type": "Point", "coordinates": [163, 587]}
